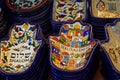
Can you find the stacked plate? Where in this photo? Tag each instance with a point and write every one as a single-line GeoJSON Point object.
{"type": "Point", "coordinates": [31, 11]}
{"type": "Point", "coordinates": [63, 11]}
{"type": "Point", "coordinates": [4, 23]}
{"type": "Point", "coordinates": [24, 53]}
{"type": "Point", "coordinates": [101, 13]}
{"type": "Point", "coordinates": [104, 11]}
{"type": "Point", "coordinates": [72, 53]}
{"type": "Point", "coordinates": [99, 32]}
{"type": "Point", "coordinates": [111, 52]}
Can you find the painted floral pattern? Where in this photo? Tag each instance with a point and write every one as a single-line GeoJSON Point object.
{"type": "Point", "coordinates": [25, 4]}
{"type": "Point", "coordinates": [113, 46]}
{"type": "Point", "coordinates": [69, 10]}
{"type": "Point", "coordinates": [71, 50]}
{"type": "Point", "coordinates": [106, 8]}
{"type": "Point", "coordinates": [18, 53]}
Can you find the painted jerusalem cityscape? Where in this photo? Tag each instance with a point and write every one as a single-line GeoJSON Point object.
{"type": "Point", "coordinates": [71, 50]}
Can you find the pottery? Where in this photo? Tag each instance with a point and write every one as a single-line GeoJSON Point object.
{"type": "Point", "coordinates": [23, 6]}
{"type": "Point", "coordinates": [64, 10]}
{"type": "Point", "coordinates": [21, 40]}
{"type": "Point", "coordinates": [72, 52]}
{"type": "Point", "coordinates": [106, 9]}
{"type": "Point", "coordinates": [103, 11]}
{"type": "Point", "coordinates": [110, 52]}
{"type": "Point", "coordinates": [112, 47]}
{"type": "Point", "coordinates": [72, 46]}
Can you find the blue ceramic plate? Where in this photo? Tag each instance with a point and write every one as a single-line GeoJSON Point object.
{"type": "Point", "coordinates": [63, 60]}
{"type": "Point", "coordinates": [104, 11]}
{"type": "Point", "coordinates": [63, 11]}
{"type": "Point", "coordinates": [110, 51]}
{"type": "Point", "coordinates": [32, 13]}
{"type": "Point", "coordinates": [24, 6]}
{"type": "Point", "coordinates": [23, 38]}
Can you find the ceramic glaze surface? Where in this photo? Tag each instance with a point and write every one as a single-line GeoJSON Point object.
{"type": "Point", "coordinates": [106, 8]}
{"type": "Point", "coordinates": [18, 53]}
{"type": "Point", "coordinates": [69, 10]}
{"type": "Point", "coordinates": [113, 46]}
{"type": "Point", "coordinates": [71, 50]}
{"type": "Point", "coordinates": [25, 4]}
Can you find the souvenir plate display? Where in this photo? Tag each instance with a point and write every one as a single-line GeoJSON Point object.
{"type": "Point", "coordinates": [38, 10]}
{"type": "Point", "coordinates": [69, 10]}
{"type": "Point", "coordinates": [113, 46]}
{"type": "Point", "coordinates": [22, 5]}
{"type": "Point", "coordinates": [106, 8]}
{"type": "Point", "coordinates": [72, 48]}
{"type": "Point", "coordinates": [18, 53]}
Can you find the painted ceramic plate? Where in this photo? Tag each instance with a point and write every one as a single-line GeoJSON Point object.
{"type": "Point", "coordinates": [24, 5]}
{"type": "Point", "coordinates": [113, 46]}
{"type": "Point", "coordinates": [69, 10]}
{"type": "Point", "coordinates": [18, 53]}
{"type": "Point", "coordinates": [72, 48]}
{"type": "Point", "coordinates": [106, 8]}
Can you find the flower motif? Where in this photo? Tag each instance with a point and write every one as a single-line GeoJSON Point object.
{"type": "Point", "coordinates": [25, 4]}
{"type": "Point", "coordinates": [12, 40]}
{"type": "Point", "coordinates": [20, 49]}
{"type": "Point", "coordinates": [67, 10]}
{"type": "Point", "coordinates": [25, 26]}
